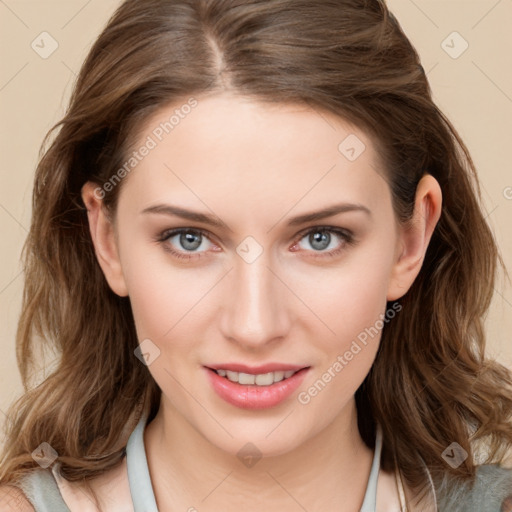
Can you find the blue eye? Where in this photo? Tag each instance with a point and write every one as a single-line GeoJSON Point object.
{"type": "Point", "coordinates": [190, 240]}
{"type": "Point", "coordinates": [320, 238]}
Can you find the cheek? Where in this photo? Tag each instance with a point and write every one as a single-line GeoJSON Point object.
{"type": "Point", "coordinates": [349, 297]}
{"type": "Point", "coordinates": [355, 310]}
{"type": "Point", "coordinates": [160, 293]}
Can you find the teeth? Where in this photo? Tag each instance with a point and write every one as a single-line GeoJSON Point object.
{"type": "Point", "coordinates": [278, 376]}
{"type": "Point", "coordinates": [262, 379]}
{"type": "Point", "coordinates": [232, 375]}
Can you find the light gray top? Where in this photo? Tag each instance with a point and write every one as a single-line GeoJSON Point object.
{"type": "Point", "coordinates": [42, 490]}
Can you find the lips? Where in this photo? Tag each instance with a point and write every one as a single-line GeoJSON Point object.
{"type": "Point", "coordinates": [246, 396]}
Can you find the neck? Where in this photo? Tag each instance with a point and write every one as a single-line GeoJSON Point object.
{"type": "Point", "coordinates": [329, 471]}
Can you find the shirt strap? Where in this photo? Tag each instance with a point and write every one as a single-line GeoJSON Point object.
{"type": "Point", "coordinates": [370, 498]}
{"type": "Point", "coordinates": [141, 489]}
{"type": "Point", "coordinates": [41, 489]}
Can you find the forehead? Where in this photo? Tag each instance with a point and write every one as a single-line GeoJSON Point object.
{"type": "Point", "coordinates": [231, 150]}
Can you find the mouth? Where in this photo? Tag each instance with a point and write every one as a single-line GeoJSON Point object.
{"type": "Point", "coordinates": [255, 390]}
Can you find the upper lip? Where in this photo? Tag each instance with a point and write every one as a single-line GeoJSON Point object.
{"type": "Point", "coordinates": [255, 370]}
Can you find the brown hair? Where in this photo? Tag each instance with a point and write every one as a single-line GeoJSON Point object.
{"type": "Point", "coordinates": [348, 57]}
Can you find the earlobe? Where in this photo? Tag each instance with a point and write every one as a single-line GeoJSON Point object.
{"type": "Point", "coordinates": [415, 237]}
{"type": "Point", "coordinates": [104, 240]}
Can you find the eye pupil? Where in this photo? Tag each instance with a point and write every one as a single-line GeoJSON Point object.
{"type": "Point", "coordinates": [320, 237]}
{"type": "Point", "coordinates": [188, 238]}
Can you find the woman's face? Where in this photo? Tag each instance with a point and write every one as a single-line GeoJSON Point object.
{"type": "Point", "coordinates": [261, 285]}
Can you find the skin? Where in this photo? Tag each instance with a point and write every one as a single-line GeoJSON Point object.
{"type": "Point", "coordinates": [254, 166]}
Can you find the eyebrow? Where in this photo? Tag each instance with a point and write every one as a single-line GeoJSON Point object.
{"type": "Point", "coordinates": [167, 209]}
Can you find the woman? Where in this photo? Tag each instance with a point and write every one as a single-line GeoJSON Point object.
{"type": "Point", "coordinates": [258, 248]}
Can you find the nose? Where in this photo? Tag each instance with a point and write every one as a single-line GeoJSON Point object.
{"type": "Point", "coordinates": [255, 311]}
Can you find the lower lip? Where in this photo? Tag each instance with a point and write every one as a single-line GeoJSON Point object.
{"type": "Point", "coordinates": [248, 396]}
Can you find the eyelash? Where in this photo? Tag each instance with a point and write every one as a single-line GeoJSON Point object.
{"type": "Point", "coordinates": [346, 236]}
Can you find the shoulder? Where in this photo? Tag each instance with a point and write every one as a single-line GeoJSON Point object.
{"type": "Point", "coordinates": [495, 481]}
{"type": "Point", "coordinates": [36, 490]}
{"type": "Point", "coordinates": [12, 499]}
{"type": "Point", "coordinates": [491, 491]}
{"type": "Point", "coordinates": [107, 491]}
{"type": "Point", "coordinates": [46, 490]}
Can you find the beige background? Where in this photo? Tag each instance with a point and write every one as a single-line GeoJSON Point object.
{"type": "Point", "coordinates": [474, 90]}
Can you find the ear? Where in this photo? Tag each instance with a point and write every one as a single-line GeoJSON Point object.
{"type": "Point", "coordinates": [104, 238]}
{"type": "Point", "coordinates": [414, 238]}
